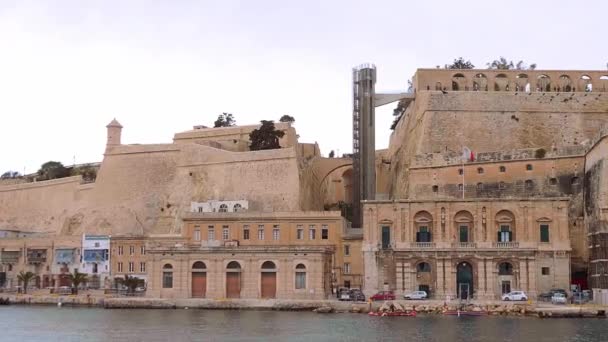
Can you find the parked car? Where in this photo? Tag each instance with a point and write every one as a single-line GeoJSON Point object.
{"type": "Point", "coordinates": [383, 295]}
{"type": "Point", "coordinates": [344, 294]}
{"type": "Point", "coordinates": [546, 296]}
{"type": "Point", "coordinates": [559, 298]}
{"type": "Point", "coordinates": [515, 295]}
{"type": "Point", "coordinates": [416, 295]}
{"type": "Point", "coordinates": [357, 295]}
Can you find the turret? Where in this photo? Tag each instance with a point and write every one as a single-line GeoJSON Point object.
{"type": "Point", "coordinates": [114, 132]}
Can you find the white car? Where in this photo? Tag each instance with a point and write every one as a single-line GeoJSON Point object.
{"type": "Point", "coordinates": [515, 295]}
{"type": "Point", "coordinates": [415, 295]}
{"type": "Point", "coordinates": [559, 298]}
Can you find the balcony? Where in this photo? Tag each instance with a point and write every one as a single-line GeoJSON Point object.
{"type": "Point", "coordinates": [507, 245]}
{"type": "Point", "coordinates": [464, 245]}
{"type": "Point", "coordinates": [422, 245]}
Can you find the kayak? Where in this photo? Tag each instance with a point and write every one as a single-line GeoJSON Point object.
{"type": "Point", "coordinates": [394, 314]}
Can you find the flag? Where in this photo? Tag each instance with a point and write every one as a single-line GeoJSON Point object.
{"type": "Point", "coordinates": [467, 154]}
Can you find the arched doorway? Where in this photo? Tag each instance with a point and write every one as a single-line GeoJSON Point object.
{"type": "Point", "coordinates": [199, 279]}
{"type": "Point", "coordinates": [464, 280]}
{"type": "Point", "coordinates": [269, 280]}
{"type": "Point", "coordinates": [424, 277]}
{"type": "Point", "coordinates": [506, 277]}
{"type": "Point", "coordinates": [233, 280]}
{"type": "Point", "coordinates": [347, 180]}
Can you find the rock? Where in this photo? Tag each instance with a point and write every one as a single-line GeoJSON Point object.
{"type": "Point", "coordinates": [323, 309]}
{"type": "Point", "coordinates": [355, 309]}
{"type": "Point", "coordinates": [477, 309]}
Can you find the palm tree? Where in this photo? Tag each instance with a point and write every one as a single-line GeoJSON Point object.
{"type": "Point", "coordinates": [77, 278]}
{"type": "Point", "coordinates": [24, 278]}
{"type": "Point", "coordinates": [130, 282]}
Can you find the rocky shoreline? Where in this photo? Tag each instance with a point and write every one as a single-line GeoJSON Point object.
{"type": "Point", "coordinates": [319, 306]}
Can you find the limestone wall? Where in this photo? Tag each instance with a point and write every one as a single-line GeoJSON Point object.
{"type": "Point", "coordinates": [491, 121]}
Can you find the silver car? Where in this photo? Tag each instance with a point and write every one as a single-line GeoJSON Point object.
{"type": "Point", "coordinates": [558, 298]}
{"type": "Point", "coordinates": [415, 295]}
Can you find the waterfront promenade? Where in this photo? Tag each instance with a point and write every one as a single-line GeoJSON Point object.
{"type": "Point", "coordinates": [98, 299]}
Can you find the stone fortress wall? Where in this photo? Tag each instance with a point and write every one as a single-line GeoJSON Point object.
{"type": "Point", "coordinates": [144, 189]}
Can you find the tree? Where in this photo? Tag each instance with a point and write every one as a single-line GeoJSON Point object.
{"type": "Point", "coordinates": [503, 64]}
{"type": "Point", "coordinates": [10, 175]}
{"type": "Point", "coordinates": [24, 278]}
{"type": "Point", "coordinates": [224, 120]}
{"type": "Point", "coordinates": [332, 154]}
{"type": "Point", "coordinates": [52, 170]}
{"type": "Point", "coordinates": [87, 172]}
{"type": "Point", "coordinates": [287, 118]}
{"type": "Point", "coordinates": [266, 137]}
{"type": "Point", "coordinates": [130, 282]}
{"type": "Point", "coordinates": [77, 278]}
{"type": "Point", "coordinates": [460, 63]}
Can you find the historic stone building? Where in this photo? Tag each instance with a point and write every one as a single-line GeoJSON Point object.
{"type": "Point", "coordinates": [508, 215]}
{"type": "Point", "coordinates": [240, 254]}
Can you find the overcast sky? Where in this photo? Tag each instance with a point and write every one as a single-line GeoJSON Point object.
{"type": "Point", "coordinates": [68, 67]}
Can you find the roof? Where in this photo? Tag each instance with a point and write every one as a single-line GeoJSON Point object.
{"type": "Point", "coordinates": [114, 123]}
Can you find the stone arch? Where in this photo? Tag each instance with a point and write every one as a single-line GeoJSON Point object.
{"type": "Point", "coordinates": [459, 82]}
{"type": "Point", "coordinates": [505, 226]}
{"type": "Point", "coordinates": [565, 83]}
{"type": "Point", "coordinates": [464, 226]}
{"type": "Point", "coordinates": [543, 83]}
{"type": "Point", "coordinates": [501, 82]}
{"type": "Point", "coordinates": [585, 83]}
{"type": "Point", "coordinates": [522, 83]}
{"type": "Point", "coordinates": [233, 279]}
{"type": "Point", "coordinates": [423, 221]}
{"type": "Point", "coordinates": [223, 208]}
{"type": "Point", "coordinates": [268, 281]}
{"type": "Point", "coordinates": [237, 207]}
{"type": "Point", "coordinates": [506, 276]}
{"type": "Point", "coordinates": [167, 276]}
{"type": "Point", "coordinates": [480, 82]}
{"type": "Point", "coordinates": [604, 83]}
{"type": "Point", "coordinates": [199, 279]}
{"type": "Point", "coordinates": [465, 279]}
{"type": "Point", "coordinates": [424, 276]}
{"type": "Point", "coordinates": [438, 86]}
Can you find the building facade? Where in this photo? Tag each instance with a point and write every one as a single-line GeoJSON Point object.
{"type": "Point", "coordinates": [478, 248]}
{"type": "Point", "coordinates": [96, 260]}
{"type": "Point", "coordinates": [128, 257]}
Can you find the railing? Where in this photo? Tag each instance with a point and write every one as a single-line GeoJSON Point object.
{"type": "Point", "coordinates": [505, 244]}
{"type": "Point", "coordinates": [464, 245]}
{"type": "Point", "coordinates": [36, 260]}
{"type": "Point", "coordinates": [422, 245]}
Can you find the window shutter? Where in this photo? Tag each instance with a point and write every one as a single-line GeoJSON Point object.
{"type": "Point", "coordinates": [417, 236]}
{"type": "Point", "coordinates": [510, 236]}
{"type": "Point", "coordinates": [498, 239]}
{"type": "Point", "coordinates": [429, 237]}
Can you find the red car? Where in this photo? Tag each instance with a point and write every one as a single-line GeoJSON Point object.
{"type": "Point", "coordinates": [383, 295]}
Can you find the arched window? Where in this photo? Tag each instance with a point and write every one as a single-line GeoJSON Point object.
{"type": "Point", "coordinates": [505, 222]}
{"type": "Point", "coordinates": [501, 83]}
{"type": "Point", "coordinates": [604, 83]}
{"type": "Point", "coordinates": [505, 268]}
{"type": "Point", "coordinates": [424, 226]}
{"type": "Point", "coordinates": [480, 83]}
{"type": "Point", "coordinates": [502, 169]}
{"type": "Point", "coordinates": [458, 82]}
{"type": "Point", "coordinates": [463, 221]}
{"type": "Point", "coordinates": [237, 207]}
{"type": "Point", "coordinates": [167, 276]}
{"type": "Point", "coordinates": [543, 83]}
{"type": "Point", "coordinates": [529, 184]}
{"type": "Point", "coordinates": [480, 170]}
{"type": "Point", "coordinates": [269, 265]}
{"type": "Point", "coordinates": [234, 266]}
{"type": "Point", "coordinates": [300, 277]}
{"type": "Point", "coordinates": [223, 208]}
{"type": "Point", "coordinates": [522, 83]}
{"type": "Point", "coordinates": [423, 267]}
{"type": "Point", "coordinates": [585, 84]}
{"type": "Point", "coordinates": [565, 83]}
{"type": "Point", "coordinates": [199, 266]}
{"type": "Point", "coordinates": [479, 186]}
{"type": "Point", "coordinates": [529, 167]}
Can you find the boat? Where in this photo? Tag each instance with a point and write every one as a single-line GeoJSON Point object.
{"type": "Point", "coordinates": [465, 313]}
{"type": "Point", "coordinates": [394, 314]}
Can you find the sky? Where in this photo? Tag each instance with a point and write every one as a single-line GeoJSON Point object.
{"type": "Point", "coordinates": [67, 68]}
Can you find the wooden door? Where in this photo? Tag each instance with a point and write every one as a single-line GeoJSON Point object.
{"type": "Point", "coordinates": [233, 285]}
{"type": "Point", "coordinates": [199, 284]}
{"type": "Point", "coordinates": [269, 285]}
